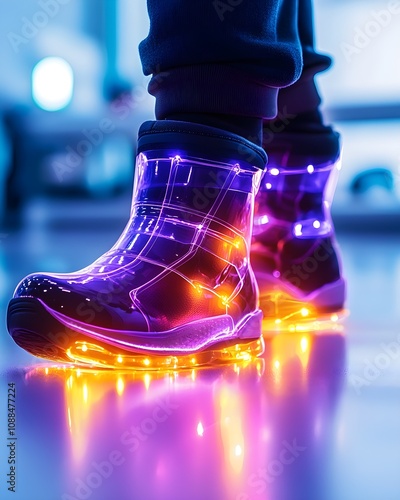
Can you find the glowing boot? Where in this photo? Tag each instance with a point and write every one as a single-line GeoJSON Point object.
{"type": "Point", "coordinates": [294, 253]}
{"type": "Point", "coordinates": [177, 288]}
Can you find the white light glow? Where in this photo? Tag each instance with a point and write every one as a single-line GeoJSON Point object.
{"type": "Point", "coordinates": [200, 429]}
{"type": "Point", "coordinates": [304, 344]}
{"type": "Point", "coordinates": [298, 230]}
{"type": "Point", "coordinates": [52, 83]}
{"type": "Point", "coordinates": [310, 169]}
{"type": "Point", "coordinates": [238, 450]}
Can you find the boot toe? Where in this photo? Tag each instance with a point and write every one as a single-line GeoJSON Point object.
{"type": "Point", "coordinates": [78, 302]}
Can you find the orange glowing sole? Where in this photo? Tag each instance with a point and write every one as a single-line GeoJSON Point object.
{"type": "Point", "coordinates": [96, 356]}
{"type": "Point", "coordinates": [283, 313]}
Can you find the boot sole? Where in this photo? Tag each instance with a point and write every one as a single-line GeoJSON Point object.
{"type": "Point", "coordinates": [53, 336]}
{"type": "Point", "coordinates": [283, 310]}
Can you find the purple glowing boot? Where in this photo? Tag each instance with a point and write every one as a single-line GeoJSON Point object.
{"type": "Point", "coordinates": [294, 252]}
{"type": "Point", "coordinates": [176, 289]}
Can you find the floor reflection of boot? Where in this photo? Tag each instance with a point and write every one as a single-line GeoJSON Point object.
{"type": "Point", "coordinates": [167, 436]}
{"type": "Point", "coordinates": [256, 430]}
{"type": "Point", "coordinates": [293, 428]}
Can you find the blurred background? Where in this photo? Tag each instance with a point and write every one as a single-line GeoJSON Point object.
{"type": "Point", "coordinates": [72, 96]}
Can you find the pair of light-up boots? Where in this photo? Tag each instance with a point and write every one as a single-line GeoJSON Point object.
{"type": "Point", "coordinates": [218, 249]}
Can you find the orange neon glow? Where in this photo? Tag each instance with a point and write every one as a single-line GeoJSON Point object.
{"type": "Point", "coordinates": [284, 313]}
{"type": "Point", "coordinates": [95, 356]}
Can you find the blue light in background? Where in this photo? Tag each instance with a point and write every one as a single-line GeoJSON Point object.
{"type": "Point", "coordinates": [52, 83]}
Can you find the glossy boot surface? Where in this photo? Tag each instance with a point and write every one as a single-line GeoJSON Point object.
{"type": "Point", "coordinates": [294, 252]}
{"type": "Point", "coordinates": [177, 288]}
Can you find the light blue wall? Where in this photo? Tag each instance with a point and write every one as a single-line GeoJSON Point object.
{"type": "Point", "coordinates": [364, 38]}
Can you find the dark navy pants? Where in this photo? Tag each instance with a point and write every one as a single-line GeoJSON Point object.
{"type": "Point", "coordinates": [232, 57]}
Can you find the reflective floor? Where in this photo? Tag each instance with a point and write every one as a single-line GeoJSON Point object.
{"type": "Point", "coordinates": [316, 418]}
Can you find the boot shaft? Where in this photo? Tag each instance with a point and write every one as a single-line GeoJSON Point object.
{"type": "Point", "coordinates": [184, 198]}
{"type": "Point", "coordinates": [179, 198]}
{"type": "Point", "coordinates": [297, 189]}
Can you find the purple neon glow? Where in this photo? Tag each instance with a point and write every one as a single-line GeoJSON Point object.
{"type": "Point", "coordinates": [299, 198]}
{"type": "Point", "coordinates": [186, 339]}
{"type": "Point", "coordinates": [294, 248]}
{"type": "Point", "coordinates": [178, 279]}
